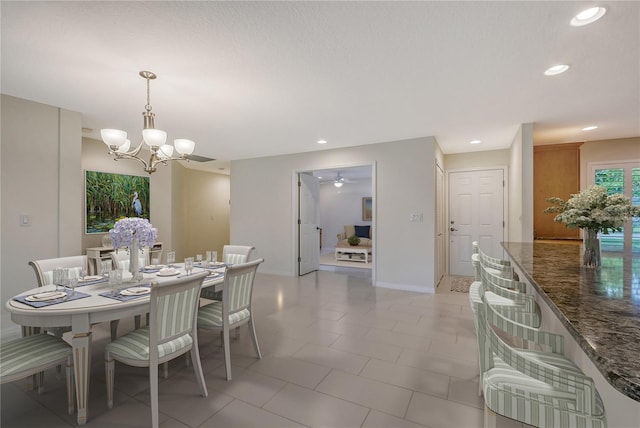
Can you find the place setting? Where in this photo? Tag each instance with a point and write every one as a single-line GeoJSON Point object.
{"type": "Point", "coordinates": [127, 293]}
{"type": "Point", "coordinates": [64, 291]}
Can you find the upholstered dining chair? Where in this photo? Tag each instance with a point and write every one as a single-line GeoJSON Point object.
{"type": "Point", "coordinates": [32, 355]}
{"type": "Point", "coordinates": [171, 332]}
{"type": "Point", "coordinates": [231, 254]}
{"type": "Point", "coordinates": [120, 259]}
{"type": "Point", "coordinates": [235, 309]}
{"type": "Point", "coordinates": [44, 276]}
{"type": "Point", "coordinates": [539, 388]}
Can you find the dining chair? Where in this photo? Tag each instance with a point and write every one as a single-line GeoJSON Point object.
{"type": "Point", "coordinates": [172, 331]}
{"type": "Point", "coordinates": [44, 276]}
{"type": "Point", "coordinates": [540, 388]}
{"type": "Point", "coordinates": [235, 309]}
{"type": "Point", "coordinates": [231, 254]}
{"type": "Point", "coordinates": [32, 355]}
{"type": "Point", "coordinates": [120, 258]}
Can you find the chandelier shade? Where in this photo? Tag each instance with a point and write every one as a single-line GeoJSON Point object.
{"type": "Point", "coordinates": [113, 137]}
{"type": "Point", "coordinates": [154, 139]}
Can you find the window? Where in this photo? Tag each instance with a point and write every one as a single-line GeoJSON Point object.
{"type": "Point", "coordinates": [620, 177]}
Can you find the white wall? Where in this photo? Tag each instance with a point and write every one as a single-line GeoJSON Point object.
{"type": "Point", "coordinates": [520, 185]}
{"type": "Point", "coordinates": [404, 181]}
{"type": "Point", "coordinates": [340, 206]}
{"type": "Point", "coordinates": [40, 178]}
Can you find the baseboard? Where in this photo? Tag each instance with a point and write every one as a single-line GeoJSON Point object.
{"type": "Point", "coordinates": [405, 287]}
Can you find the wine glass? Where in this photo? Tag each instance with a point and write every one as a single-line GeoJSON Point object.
{"type": "Point", "coordinates": [188, 265]}
{"type": "Point", "coordinates": [171, 258]}
{"type": "Point", "coordinates": [60, 277]}
{"type": "Point", "coordinates": [73, 282]}
{"type": "Point", "coordinates": [199, 259]}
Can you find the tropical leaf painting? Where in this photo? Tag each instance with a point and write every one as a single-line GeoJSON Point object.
{"type": "Point", "coordinates": [110, 197]}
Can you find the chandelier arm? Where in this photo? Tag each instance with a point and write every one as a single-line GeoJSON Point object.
{"type": "Point", "coordinates": [164, 161]}
{"type": "Point", "coordinates": [130, 156]}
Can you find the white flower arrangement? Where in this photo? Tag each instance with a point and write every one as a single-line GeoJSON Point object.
{"type": "Point", "coordinates": [593, 209]}
{"type": "Point", "coordinates": [129, 228]}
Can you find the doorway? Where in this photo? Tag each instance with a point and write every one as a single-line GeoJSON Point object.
{"type": "Point", "coordinates": [338, 206]}
{"type": "Point", "coordinates": [476, 213]}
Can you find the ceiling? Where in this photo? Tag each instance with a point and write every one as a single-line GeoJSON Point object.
{"type": "Point", "coordinates": [252, 79]}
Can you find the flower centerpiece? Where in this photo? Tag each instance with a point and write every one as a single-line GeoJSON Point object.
{"type": "Point", "coordinates": [131, 233]}
{"type": "Point", "coordinates": [594, 211]}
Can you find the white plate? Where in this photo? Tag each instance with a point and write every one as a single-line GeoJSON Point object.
{"type": "Point", "coordinates": [152, 267]}
{"type": "Point", "coordinates": [43, 297]}
{"type": "Point", "coordinates": [135, 291]}
{"type": "Point", "coordinates": [168, 273]}
{"type": "Point", "coordinates": [90, 278]}
{"type": "Point", "coordinates": [214, 275]}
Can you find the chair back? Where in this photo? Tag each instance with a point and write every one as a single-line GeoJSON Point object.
{"type": "Point", "coordinates": [238, 287]}
{"type": "Point", "coordinates": [173, 311]}
{"type": "Point", "coordinates": [44, 268]}
{"type": "Point", "coordinates": [235, 254]}
{"type": "Point", "coordinates": [120, 259]}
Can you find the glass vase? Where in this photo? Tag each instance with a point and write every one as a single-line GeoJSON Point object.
{"type": "Point", "coordinates": [591, 257]}
{"type": "Point", "coordinates": [134, 258]}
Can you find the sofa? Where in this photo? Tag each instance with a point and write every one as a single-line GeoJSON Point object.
{"type": "Point", "coordinates": [365, 233]}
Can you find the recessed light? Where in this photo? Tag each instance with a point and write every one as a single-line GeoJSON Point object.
{"type": "Point", "coordinates": [556, 69]}
{"type": "Point", "coordinates": [322, 141]}
{"type": "Point", "coordinates": [589, 128]}
{"type": "Point", "coordinates": [475, 142]}
{"type": "Point", "coordinates": [588, 16]}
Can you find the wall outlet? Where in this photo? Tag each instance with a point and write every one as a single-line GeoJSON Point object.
{"type": "Point", "coordinates": [416, 217]}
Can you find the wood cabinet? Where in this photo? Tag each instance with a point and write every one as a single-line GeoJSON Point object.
{"type": "Point", "coordinates": [556, 172]}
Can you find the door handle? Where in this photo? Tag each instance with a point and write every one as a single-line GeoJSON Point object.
{"type": "Point", "coordinates": [453, 229]}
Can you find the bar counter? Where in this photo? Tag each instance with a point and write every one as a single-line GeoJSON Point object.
{"type": "Point", "coordinates": [600, 308]}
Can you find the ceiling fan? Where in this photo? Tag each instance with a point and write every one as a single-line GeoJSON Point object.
{"type": "Point", "coordinates": [338, 181]}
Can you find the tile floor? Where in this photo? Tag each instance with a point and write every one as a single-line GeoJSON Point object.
{"type": "Point", "coordinates": [336, 353]}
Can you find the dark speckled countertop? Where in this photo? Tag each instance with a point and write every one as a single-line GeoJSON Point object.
{"type": "Point", "coordinates": [601, 308]}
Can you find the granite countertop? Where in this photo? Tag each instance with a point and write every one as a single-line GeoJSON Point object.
{"type": "Point", "coordinates": [599, 307]}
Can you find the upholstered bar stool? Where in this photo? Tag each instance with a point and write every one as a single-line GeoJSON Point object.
{"type": "Point", "coordinates": [539, 388]}
{"type": "Point", "coordinates": [494, 265]}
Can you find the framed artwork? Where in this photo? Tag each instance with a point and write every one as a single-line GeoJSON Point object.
{"type": "Point", "coordinates": [110, 197]}
{"type": "Point", "coordinates": [367, 209]}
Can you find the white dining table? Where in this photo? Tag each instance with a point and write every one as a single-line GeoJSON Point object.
{"type": "Point", "coordinates": [82, 313]}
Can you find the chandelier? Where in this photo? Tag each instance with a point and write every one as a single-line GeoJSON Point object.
{"type": "Point", "coordinates": [155, 139]}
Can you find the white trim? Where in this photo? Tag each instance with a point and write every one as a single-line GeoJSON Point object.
{"type": "Point", "coordinates": [505, 204]}
{"type": "Point", "coordinates": [296, 202]}
{"type": "Point", "coordinates": [405, 287]}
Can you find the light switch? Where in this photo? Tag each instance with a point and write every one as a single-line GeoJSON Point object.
{"type": "Point", "coordinates": [25, 220]}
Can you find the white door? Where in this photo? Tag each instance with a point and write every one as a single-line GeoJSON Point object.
{"type": "Point", "coordinates": [308, 219]}
{"type": "Point", "coordinates": [476, 213]}
{"type": "Point", "coordinates": [440, 250]}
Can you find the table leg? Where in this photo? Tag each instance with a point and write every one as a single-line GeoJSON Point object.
{"type": "Point", "coordinates": [82, 366]}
